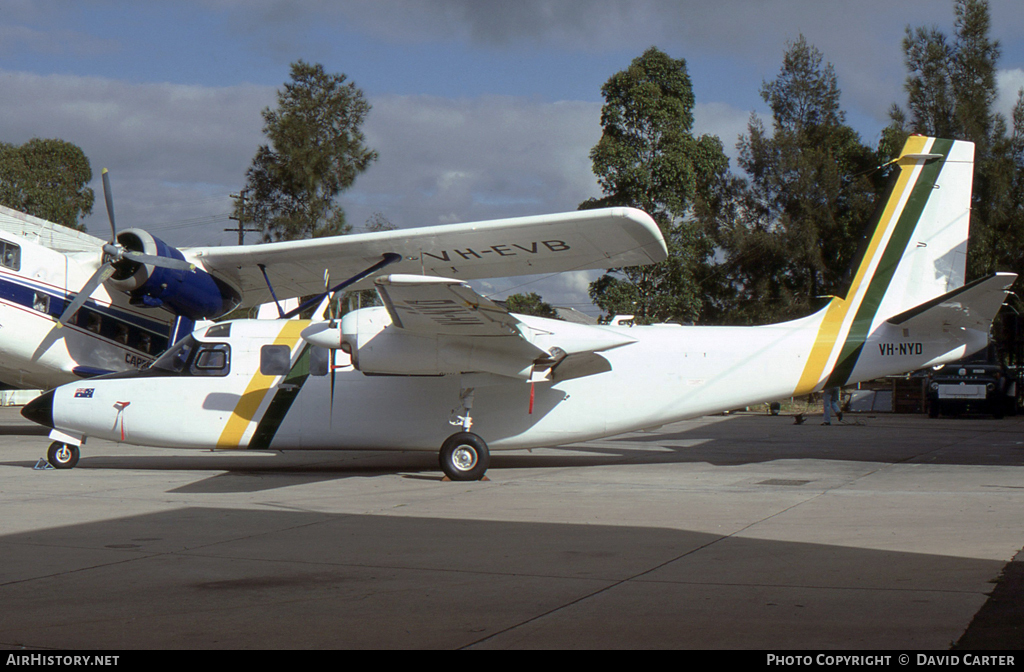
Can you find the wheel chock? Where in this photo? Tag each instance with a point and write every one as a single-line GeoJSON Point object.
{"type": "Point", "coordinates": [42, 465]}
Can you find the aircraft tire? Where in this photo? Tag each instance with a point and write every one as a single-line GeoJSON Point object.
{"type": "Point", "coordinates": [464, 457]}
{"type": "Point", "coordinates": [62, 455]}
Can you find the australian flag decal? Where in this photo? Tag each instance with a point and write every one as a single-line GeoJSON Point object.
{"type": "Point", "coordinates": [84, 392]}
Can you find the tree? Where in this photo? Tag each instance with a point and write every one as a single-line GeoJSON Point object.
{"type": "Point", "coordinates": [316, 151]}
{"type": "Point", "coordinates": [47, 179]}
{"type": "Point", "coordinates": [951, 91]}
{"type": "Point", "coordinates": [787, 233]}
{"type": "Point", "coordinates": [647, 158]}
{"type": "Point", "coordinates": [530, 304]}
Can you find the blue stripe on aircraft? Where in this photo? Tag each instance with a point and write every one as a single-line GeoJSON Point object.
{"type": "Point", "coordinates": [23, 293]}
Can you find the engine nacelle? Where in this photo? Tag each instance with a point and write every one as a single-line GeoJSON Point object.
{"type": "Point", "coordinates": [196, 295]}
{"type": "Point", "coordinates": [377, 346]}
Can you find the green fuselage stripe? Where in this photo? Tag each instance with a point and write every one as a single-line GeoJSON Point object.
{"type": "Point", "coordinates": [883, 275]}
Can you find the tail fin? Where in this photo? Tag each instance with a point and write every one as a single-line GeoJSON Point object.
{"type": "Point", "coordinates": [918, 249]}
{"type": "Point", "coordinates": [917, 252]}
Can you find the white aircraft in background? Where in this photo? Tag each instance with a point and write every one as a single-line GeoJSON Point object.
{"type": "Point", "coordinates": [437, 354]}
{"type": "Point", "coordinates": [74, 306]}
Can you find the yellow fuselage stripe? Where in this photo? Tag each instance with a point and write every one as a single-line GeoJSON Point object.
{"type": "Point", "coordinates": [256, 391]}
{"type": "Point", "coordinates": [828, 342]}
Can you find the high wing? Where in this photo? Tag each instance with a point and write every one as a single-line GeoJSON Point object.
{"type": "Point", "coordinates": [581, 240]}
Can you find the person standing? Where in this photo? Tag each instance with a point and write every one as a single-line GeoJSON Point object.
{"type": "Point", "coordinates": [831, 398]}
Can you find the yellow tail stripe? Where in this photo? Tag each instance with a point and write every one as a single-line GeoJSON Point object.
{"type": "Point", "coordinates": [256, 391]}
{"type": "Point", "coordinates": [830, 334]}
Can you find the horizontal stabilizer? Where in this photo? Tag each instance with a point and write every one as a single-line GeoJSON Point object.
{"type": "Point", "coordinates": [972, 306]}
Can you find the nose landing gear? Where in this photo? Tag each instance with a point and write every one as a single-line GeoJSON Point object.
{"type": "Point", "coordinates": [62, 455]}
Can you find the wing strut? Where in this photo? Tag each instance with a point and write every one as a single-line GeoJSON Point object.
{"type": "Point", "coordinates": [387, 259]}
{"type": "Point", "coordinates": [263, 269]}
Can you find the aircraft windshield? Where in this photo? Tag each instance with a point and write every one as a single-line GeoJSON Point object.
{"type": "Point", "coordinates": [176, 357]}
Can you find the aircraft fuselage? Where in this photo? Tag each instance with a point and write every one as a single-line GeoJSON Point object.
{"type": "Point", "coordinates": [667, 374]}
{"type": "Point", "coordinates": [107, 334]}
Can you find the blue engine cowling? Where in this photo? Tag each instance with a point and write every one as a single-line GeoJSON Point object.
{"type": "Point", "coordinates": [196, 295]}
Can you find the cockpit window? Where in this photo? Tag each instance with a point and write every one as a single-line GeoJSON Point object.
{"type": "Point", "coordinates": [212, 359]}
{"type": "Point", "coordinates": [219, 331]}
{"type": "Point", "coordinates": [176, 358]}
{"type": "Point", "coordinates": [189, 357]}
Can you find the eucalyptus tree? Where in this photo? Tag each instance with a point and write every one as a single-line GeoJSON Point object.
{"type": "Point", "coordinates": [315, 151]}
{"type": "Point", "coordinates": [648, 158]}
{"type": "Point", "coordinates": [48, 179]}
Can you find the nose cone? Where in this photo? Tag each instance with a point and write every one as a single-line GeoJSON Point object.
{"type": "Point", "coordinates": [40, 410]}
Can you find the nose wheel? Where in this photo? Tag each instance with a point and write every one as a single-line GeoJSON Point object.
{"type": "Point", "coordinates": [62, 455]}
{"type": "Point", "coordinates": [464, 457]}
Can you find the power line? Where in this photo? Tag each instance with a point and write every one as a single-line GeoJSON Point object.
{"type": "Point", "coordinates": [241, 223]}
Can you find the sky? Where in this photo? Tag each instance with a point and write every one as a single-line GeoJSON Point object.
{"type": "Point", "coordinates": [480, 110]}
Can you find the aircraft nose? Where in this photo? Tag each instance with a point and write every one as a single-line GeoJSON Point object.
{"type": "Point", "coordinates": [40, 410]}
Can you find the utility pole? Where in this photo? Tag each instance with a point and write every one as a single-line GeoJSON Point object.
{"type": "Point", "coordinates": [241, 223]}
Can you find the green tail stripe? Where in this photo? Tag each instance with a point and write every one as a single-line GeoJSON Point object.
{"type": "Point", "coordinates": [883, 275]}
{"type": "Point", "coordinates": [279, 406]}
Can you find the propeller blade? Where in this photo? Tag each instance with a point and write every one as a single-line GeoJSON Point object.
{"type": "Point", "coordinates": [100, 276]}
{"type": "Point", "coordinates": [329, 312]}
{"type": "Point", "coordinates": [152, 260]}
{"type": "Point", "coordinates": [109, 198]}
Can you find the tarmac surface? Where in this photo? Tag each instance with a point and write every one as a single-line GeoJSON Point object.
{"type": "Point", "coordinates": [731, 532]}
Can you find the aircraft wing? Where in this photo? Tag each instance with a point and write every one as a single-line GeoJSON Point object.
{"type": "Point", "coordinates": [581, 240]}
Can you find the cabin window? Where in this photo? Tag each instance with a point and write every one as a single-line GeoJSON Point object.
{"type": "Point", "coordinates": [41, 302]}
{"type": "Point", "coordinates": [319, 361]}
{"type": "Point", "coordinates": [212, 359]}
{"type": "Point", "coordinates": [10, 255]}
{"type": "Point", "coordinates": [275, 360]}
{"type": "Point", "coordinates": [94, 322]}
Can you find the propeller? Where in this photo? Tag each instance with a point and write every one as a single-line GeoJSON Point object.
{"type": "Point", "coordinates": [330, 312]}
{"type": "Point", "coordinates": [114, 253]}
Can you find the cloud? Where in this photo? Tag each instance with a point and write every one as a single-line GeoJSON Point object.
{"type": "Point", "coordinates": [723, 120]}
{"type": "Point", "coordinates": [174, 151]}
{"type": "Point", "coordinates": [19, 38]}
{"type": "Point", "coordinates": [1009, 84]}
{"type": "Point", "coordinates": [445, 160]}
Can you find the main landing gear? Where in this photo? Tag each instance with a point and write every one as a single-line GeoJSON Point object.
{"type": "Point", "coordinates": [62, 455]}
{"type": "Point", "coordinates": [464, 455]}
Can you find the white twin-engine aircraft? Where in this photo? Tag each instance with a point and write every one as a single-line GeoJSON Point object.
{"type": "Point", "coordinates": [439, 367]}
